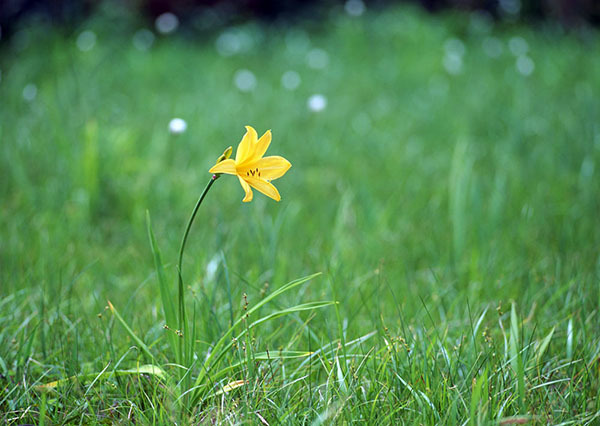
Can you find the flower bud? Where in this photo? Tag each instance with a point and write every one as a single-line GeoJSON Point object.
{"type": "Point", "coordinates": [226, 154]}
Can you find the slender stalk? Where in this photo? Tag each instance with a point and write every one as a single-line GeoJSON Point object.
{"type": "Point", "coordinates": [187, 350]}
{"type": "Point", "coordinates": [192, 217]}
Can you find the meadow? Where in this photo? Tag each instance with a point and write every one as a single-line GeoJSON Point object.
{"type": "Point", "coordinates": [443, 184]}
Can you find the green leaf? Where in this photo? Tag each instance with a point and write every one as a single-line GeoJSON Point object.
{"type": "Point", "coordinates": [166, 295]}
{"type": "Point", "coordinates": [144, 369]}
{"type": "Point", "coordinates": [137, 340]}
{"type": "Point", "coordinates": [515, 356]}
{"type": "Point", "coordinates": [480, 393]}
{"type": "Point", "coordinates": [544, 345]}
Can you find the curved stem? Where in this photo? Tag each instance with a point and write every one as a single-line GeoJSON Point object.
{"type": "Point", "coordinates": [192, 217]}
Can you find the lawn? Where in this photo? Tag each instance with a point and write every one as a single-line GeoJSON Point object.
{"type": "Point", "coordinates": [443, 183]}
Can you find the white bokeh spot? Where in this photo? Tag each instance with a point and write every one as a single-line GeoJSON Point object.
{"type": "Point", "coordinates": [317, 59]}
{"type": "Point", "coordinates": [290, 80]}
{"type": "Point", "coordinates": [525, 65]}
{"type": "Point", "coordinates": [143, 39]}
{"type": "Point", "coordinates": [86, 41]}
{"type": "Point", "coordinates": [354, 7]}
{"type": "Point", "coordinates": [166, 23]}
{"type": "Point", "coordinates": [30, 92]}
{"type": "Point", "coordinates": [245, 80]}
{"type": "Point", "coordinates": [177, 126]}
{"type": "Point", "coordinates": [317, 103]}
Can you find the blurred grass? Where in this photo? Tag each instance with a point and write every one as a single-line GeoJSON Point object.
{"type": "Point", "coordinates": [439, 182]}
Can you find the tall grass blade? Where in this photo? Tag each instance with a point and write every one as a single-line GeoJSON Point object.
{"type": "Point", "coordinates": [479, 394]}
{"type": "Point", "coordinates": [136, 339]}
{"type": "Point", "coordinates": [516, 356]}
{"type": "Point", "coordinates": [570, 339]}
{"type": "Point", "coordinates": [543, 346]}
{"type": "Point", "coordinates": [165, 292]}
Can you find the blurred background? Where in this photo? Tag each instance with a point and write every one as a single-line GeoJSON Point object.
{"type": "Point", "coordinates": [203, 15]}
{"type": "Point", "coordinates": [441, 150]}
{"type": "Point", "coordinates": [462, 120]}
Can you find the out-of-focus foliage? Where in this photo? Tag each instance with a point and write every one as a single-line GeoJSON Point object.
{"type": "Point", "coordinates": [206, 14]}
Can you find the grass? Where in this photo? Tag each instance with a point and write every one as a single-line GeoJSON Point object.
{"type": "Point", "coordinates": [449, 200]}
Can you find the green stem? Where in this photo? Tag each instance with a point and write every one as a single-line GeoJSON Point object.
{"type": "Point", "coordinates": [182, 319]}
{"type": "Point", "coordinates": [192, 217]}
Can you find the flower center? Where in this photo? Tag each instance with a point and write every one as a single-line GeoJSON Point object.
{"type": "Point", "coordinates": [253, 172]}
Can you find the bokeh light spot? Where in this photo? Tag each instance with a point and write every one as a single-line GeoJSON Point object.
{"type": "Point", "coordinates": [233, 41]}
{"type": "Point", "coordinates": [525, 65]}
{"type": "Point", "coordinates": [143, 39]}
{"type": "Point", "coordinates": [86, 41]}
{"type": "Point", "coordinates": [454, 46]}
{"type": "Point", "coordinates": [453, 63]}
{"type": "Point", "coordinates": [511, 7]}
{"type": "Point", "coordinates": [30, 92]}
{"type": "Point", "coordinates": [166, 23]}
{"type": "Point", "coordinates": [518, 46]}
{"type": "Point", "coordinates": [290, 80]}
{"type": "Point", "coordinates": [354, 7]}
{"type": "Point", "coordinates": [317, 59]}
{"type": "Point", "coordinates": [177, 126]}
{"type": "Point", "coordinates": [245, 80]}
{"type": "Point", "coordinates": [317, 103]}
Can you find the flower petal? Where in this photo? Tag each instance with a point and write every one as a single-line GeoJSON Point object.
{"type": "Point", "coordinates": [247, 189]}
{"type": "Point", "coordinates": [262, 145]}
{"type": "Point", "coordinates": [246, 146]}
{"type": "Point", "coordinates": [225, 166]}
{"type": "Point", "coordinates": [273, 167]}
{"type": "Point", "coordinates": [267, 168]}
{"type": "Point", "coordinates": [263, 186]}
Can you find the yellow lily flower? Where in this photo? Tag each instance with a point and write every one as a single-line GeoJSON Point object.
{"type": "Point", "coordinates": [251, 168]}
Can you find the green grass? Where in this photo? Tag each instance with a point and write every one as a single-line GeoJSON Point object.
{"type": "Point", "coordinates": [454, 219]}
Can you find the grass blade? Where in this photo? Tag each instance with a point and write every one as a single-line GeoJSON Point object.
{"type": "Point", "coordinates": [137, 340]}
{"type": "Point", "coordinates": [516, 357]}
{"type": "Point", "coordinates": [165, 293]}
{"type": "Point", "coordinates": [144, 369]}
{"type": "Point", "coordinates": [544, 345]}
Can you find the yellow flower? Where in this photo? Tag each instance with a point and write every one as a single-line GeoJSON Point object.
{"type": "Point", "coordinates": [251, 168]}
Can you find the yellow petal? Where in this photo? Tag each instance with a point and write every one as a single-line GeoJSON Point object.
{"type": "Point", "coordinates": [262, 145]}
{"type": "Point", "coordinates": [225, 166]}
{"type": "Point", "coordinates": [247, 189]}
{"type": "Point", "coordinates": [267, 168]}
{"type": "Point", "coordinates": [263, 186]}
{"type": "Point", "coordinates": [246, 146]}
{"type": "Point", "coordinates": [272, 167]}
